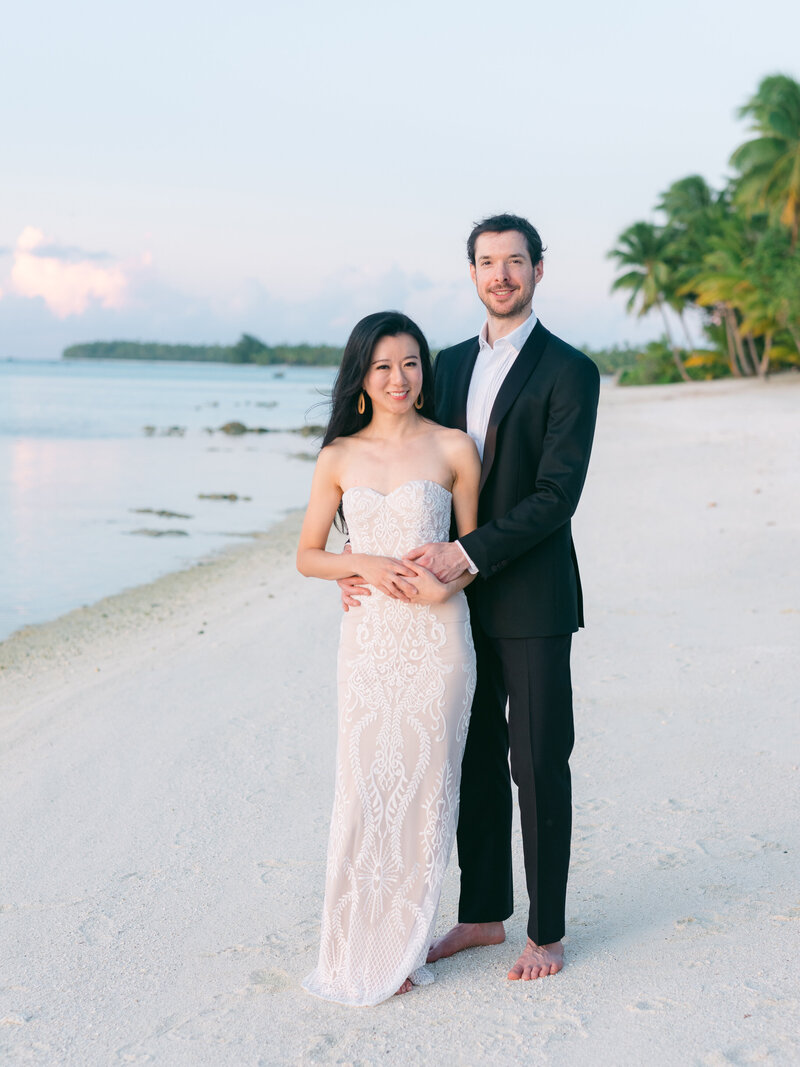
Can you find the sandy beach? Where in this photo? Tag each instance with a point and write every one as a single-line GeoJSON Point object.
{"type": "Point", "coordinates": [166, 776]}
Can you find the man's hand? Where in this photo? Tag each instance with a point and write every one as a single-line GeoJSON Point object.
{"type": "Point", "coordinates": [444, 559]}
{"type": "Point", "coordinates": [352, 589]}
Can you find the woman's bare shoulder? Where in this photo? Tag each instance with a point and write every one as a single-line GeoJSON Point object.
{"type": "Point", "coordinates": [332, 456]}
{"type": "Point", "coordinates": [457, 442]}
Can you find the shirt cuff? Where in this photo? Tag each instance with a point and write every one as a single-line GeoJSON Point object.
{"type": "Point", "coordinates": [470, 565]}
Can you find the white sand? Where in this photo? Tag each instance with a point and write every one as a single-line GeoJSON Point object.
{"type": "Point", "coordinates": [165, 792]}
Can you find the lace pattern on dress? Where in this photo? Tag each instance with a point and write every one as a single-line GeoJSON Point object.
{"type": "Point", "coordinates": [406, 681]}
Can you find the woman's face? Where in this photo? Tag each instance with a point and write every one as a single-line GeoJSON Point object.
{"type": "Point", "coordinates": [394, 379]}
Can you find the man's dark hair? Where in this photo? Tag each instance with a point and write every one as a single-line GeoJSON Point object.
{"type": "Point", "coordinates": [501, 224]}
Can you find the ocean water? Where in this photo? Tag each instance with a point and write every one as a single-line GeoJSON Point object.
{"type": "Point", "coordinates": [85, 445]}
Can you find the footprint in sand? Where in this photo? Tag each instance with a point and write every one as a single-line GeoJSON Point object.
{"type": "Point", "coordinates": [270, 982]}
{"type": "Point", "coordinates": [98, 930]}
{"type": "Point", "coordinates": [714, 924]}
{"type": "Point", "coordinates": [656, 1004]}
{"type": "Point", "coordinates": [320, 1049]}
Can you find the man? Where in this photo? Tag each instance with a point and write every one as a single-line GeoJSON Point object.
{"type": "Point", "coordinates": [529, 401]}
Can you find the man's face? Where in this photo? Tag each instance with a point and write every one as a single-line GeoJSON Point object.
{"type": "Point", "coordinates": [503, 273]}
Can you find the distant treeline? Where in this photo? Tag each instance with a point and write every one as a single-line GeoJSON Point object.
{"type": "Point", "coordinates": [614, 360]}
{"type": "Point", "coordinates": [248, 349]}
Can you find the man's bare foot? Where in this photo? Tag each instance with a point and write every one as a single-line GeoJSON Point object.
{"type": "Point", "coordinates": [538, 961]}
{"type": "Point", "coordinates": [405, 987]}
{"type": "Point", "coordinates": [466, 935]}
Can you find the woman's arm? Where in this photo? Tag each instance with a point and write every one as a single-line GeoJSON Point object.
{"type": "Point", "coordinates": [326, 493]}
{"type": "Point", "coordinates": [314, 562]}
{"type": "Point", "coordinates": [466, 479]}
{"type": "Point", "coordinates": [467, 471]}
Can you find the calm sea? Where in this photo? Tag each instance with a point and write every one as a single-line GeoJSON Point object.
{"type": "Point", "coordinates": [86, 447]}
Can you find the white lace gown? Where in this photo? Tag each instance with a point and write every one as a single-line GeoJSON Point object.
{"type": "Point", "coordinates": [406, 677]}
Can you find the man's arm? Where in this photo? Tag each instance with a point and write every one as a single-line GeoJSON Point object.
{"type": "Point", "coordinates": [562, 471]}
{"type": "Point", "coordinates": [561, 474]}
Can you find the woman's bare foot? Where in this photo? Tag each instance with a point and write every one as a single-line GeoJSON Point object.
{"type": "Point", "coordinates": [405, 987]}
{"type": "Point", "coordinates": [466, 935]}
{"type": "Point", "coordinates": [538, 961]}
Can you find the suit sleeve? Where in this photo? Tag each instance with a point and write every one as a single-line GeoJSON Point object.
{"type": "Point", "coordinates": [562, 470]}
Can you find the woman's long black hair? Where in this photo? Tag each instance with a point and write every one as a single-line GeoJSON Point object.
{"type": "Point", "coordinates": [356, 361]}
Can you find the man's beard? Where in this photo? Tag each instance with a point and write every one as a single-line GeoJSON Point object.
{"type": "Point", "coordinates": [521, 304]}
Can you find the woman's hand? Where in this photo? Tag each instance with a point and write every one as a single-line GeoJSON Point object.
{"type": "Point", "coordinates": [429, 589]}
{"type": "Point", "coordinates": [387, 574]}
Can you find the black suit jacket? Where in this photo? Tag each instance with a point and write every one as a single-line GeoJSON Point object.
{"type": "Point", "coordinates": [534, 465]}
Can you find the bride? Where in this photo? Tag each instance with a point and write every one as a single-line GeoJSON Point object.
{"type": "Point", "coordinates": [406, 667]}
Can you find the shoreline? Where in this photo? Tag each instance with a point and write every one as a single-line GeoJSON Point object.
{"type": "Point", "coordinates": [132, 610]}
{"type": "Point", "coordinates": [123, 474]}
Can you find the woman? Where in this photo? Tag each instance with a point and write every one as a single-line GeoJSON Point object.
{"type": "Point", "coordinates": [406, 666]}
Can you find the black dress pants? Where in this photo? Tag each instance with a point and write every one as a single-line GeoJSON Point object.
{"type": "Point", "coordinates": [533, 674]}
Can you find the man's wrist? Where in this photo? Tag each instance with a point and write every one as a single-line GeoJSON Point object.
{"type": "Point", "coordinates": [470, 565]}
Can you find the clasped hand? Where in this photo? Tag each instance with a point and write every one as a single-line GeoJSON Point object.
{"type": "Point", "coordinates": [400, 579]}
{"type": "Point", "coordinates": [419, 578]}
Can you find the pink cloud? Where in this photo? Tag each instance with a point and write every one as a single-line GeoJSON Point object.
{"type": "Point", "coordinates": [68, 287]}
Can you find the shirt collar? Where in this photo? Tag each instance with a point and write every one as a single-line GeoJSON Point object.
{"type": "Point", "coordinates": [516, 339]}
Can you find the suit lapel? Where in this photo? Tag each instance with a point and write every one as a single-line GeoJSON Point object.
{"type": "Point", "coordinates": [461, 380]}
{"type": "Point", "coordinates": [521, 369]}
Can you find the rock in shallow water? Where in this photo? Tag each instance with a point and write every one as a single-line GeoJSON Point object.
{"type": "Point", "coordinates": [159, 533]}
{"type": "Point", "coordinates": [161, 513]}
{"type": "Point", "coordinates": [222, 496]}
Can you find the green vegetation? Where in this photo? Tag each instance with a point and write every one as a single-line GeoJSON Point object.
{"type": "Point", "coordinates": [613, 360]}
{"type": "Point", "coordinates": [732, 254]}
{"type": "Point", "coordinates": [248, 349]}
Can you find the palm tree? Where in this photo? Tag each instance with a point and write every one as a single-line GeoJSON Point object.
{"type": "Point", "coordinates": [694, 213]}
{"type": "Point", "coordinates": [769, 165]}
{"type": "Point", "coordinates": [645, 249]}
{"type": "Point", "coordinates": [735, 279]}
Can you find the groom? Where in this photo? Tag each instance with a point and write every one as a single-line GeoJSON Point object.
{"type": "Point", "coordinates": [529, 401]}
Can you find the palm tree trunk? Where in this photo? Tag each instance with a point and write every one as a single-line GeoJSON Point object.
{"type": "Point", "coordinates": [752, 351]}
{"type": "Point", "coordinates": [732, 363]}
{"type": "Point", "coordinates": [763, 367]}
{"type": "Point", "coordinates": [737, 340]}
{"type": "Point", "coordinates": [686, 333]}
{"type": "Point", "coordinates": [795, 335]}
{"type": "Point", "coordinates": [675, 353]}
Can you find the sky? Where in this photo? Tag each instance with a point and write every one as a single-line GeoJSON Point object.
{"type": "Point", "coordinates": [186, 172]}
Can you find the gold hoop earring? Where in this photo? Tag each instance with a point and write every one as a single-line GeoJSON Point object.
{"type": "Point", "coordinates": [362, 405]}
{"type": "Point", "coordinates": [419, 402]}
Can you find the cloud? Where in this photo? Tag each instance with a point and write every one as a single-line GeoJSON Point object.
{"type": "Point", "coordinates": [67, 279]}
{"type": "Point", "coordinates": [70, 254]}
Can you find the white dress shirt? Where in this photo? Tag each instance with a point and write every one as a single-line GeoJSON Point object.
{"type": "Point", "coordinates": [491, 367]}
